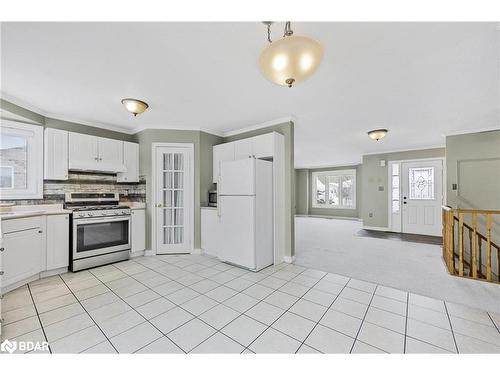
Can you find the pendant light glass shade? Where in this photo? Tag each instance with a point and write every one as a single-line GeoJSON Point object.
{"type": "Point", "coordinates": [135, 106]}
{"type": "Point", "coordinates": [290, 60]}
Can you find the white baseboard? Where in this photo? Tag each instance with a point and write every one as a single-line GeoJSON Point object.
{"type": "Point", "coordinates": [331, 217]}
{"type": "Point", "coordinates": [288, 259]}
{"type": "Point", "coordinates": [382, 229]}
{"type": "Point", "coordinates": [196, 251]}
{"type": "Point", "coordinates": [148, 253]}
{"type": "Point", "coordinates": [136, 254]}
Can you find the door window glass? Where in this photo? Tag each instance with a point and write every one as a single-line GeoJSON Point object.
{"type": "Point", "coordinates": [421, 182]}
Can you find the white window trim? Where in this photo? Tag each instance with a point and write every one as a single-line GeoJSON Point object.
{"type": "Point", "coordinates": [339, 172]}
{"type": "Point", "coordinates": [34, 178]}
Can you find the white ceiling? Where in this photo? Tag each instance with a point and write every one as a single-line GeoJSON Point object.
{"type": "Point", "coordinates": [419, 80]}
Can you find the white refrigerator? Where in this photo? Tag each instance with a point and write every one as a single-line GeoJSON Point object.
{"type": "Point", "coordinates": [245, 209]}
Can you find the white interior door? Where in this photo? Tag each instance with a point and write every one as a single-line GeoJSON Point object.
{"type": "Point", "coordinates": [174, 198]}
{"type": "Point", "coordinates": [422, 196]}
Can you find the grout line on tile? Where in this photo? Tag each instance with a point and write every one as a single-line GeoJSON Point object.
{"type": "Point", "coordinates": [363, 321]}
{"type": "Point", "coordinates": [39, 320]}
{"type": "Point", "coordinates": [451, 327]}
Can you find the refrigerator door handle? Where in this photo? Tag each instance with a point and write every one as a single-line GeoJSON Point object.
{"type": "Point", "coordinates": [218, 196]}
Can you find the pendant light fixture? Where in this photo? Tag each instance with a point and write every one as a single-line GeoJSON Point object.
{"type": "Point", "coordinates": [291, 59]}
{"type": "Point", "coordinates": [377, 134]}
{"type": "Point", "coordinates": [135, 106]}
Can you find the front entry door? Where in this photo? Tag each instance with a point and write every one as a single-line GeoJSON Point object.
{"type": "Point", "coordinates": [422, 197]}
{"type": "Point", "coordinates": [173, 200]}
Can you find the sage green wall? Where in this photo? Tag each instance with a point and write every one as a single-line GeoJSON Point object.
{"type": "Point", "coordinates": [373, 176]}
{"type": "Point", "coordinates": [207, 141]}
{"type": "Point", "coordinates": [301, 191]}
{"type": "Point", "coordinates": [20, 111]}
{"type": "Point", "coordinates": [287, 130]}
{"type": "Point", "coordinates": [473, 162]}
{"type": "Point", "coordinates": [334, 211]}
{"type": "Point", "coordinates": [85, 129]}
{"type": "Point", "coordinates": [64, 125]}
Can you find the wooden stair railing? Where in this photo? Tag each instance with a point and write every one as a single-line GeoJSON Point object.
{"type": "Point", "coordinates": [454, 245]}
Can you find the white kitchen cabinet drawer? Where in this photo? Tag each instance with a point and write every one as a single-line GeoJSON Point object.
{"type": "Point", "coordinates": [55, 154]}
{"type": "Point", "coordinates": [263, 145]}
{"type": "Point", "coordinates": [243, 148]}
{"type": "Point", "coordinates": [22, 255]}
{"type": "Point", "coordinates": [138, 230]}
{"type": "Point", "coordinates": [16, 225]}
{"type": "Point", "coordinates": [131, 162]}
{"type": "Point", "coordinates": [210, 231]}
{"type": "Point", "coordinates": [222, 152]}
{"type": "Point", "coordinates": [57, 234]}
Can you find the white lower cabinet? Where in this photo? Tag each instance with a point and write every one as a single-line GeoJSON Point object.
{"type": "Point", "coordinates": [138, 226]}
{"type": "Point", "coordinates": [32, 248]}
{"type": "Point", "coordinates": [22, 255]}
{"type": "Point", "coordinates": [57, 241]}
{"type": "Point", "coordinates": [210, 231]}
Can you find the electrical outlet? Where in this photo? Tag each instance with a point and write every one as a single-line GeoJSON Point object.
{"type": "Point", "coordinates": [370, 214]}
{"type": "Point", "coordinates": [381, 188]}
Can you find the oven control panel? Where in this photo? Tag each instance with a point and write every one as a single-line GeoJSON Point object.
{"type": "Point", "coordinates": [101, 213]}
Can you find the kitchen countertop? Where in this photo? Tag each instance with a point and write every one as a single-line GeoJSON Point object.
{"type": "Point", "coordinates": [18, 212]}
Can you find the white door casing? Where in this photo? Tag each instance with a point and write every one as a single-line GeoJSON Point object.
{"type": "Point", "coordinates": [421, 196]}
{"type": "Point", "coordinates": [173, 192]}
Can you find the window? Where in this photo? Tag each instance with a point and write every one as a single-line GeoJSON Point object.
{"type": "Point", "coordinates": [395, 195]}
{"type": "Point", "coordinates": [421, 182]}
{"type": "Point", "coordinates": [334, 189]}
{"type": "Point", "coordinates": [21, 161]}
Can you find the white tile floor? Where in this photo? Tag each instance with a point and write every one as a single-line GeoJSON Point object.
{"type": "Point", "coordinates": [196, 304]}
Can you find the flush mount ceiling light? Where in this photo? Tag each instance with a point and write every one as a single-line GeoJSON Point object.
{"type": "Point", "coordinates": [135, 106]}
{"type": "Point", "coordinates": [290, 60]}
{"type": "Point", "coordinates": [377, 134]}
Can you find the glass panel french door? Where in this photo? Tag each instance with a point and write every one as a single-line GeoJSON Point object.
{"type": "Point", "coordinates": [173, 207]}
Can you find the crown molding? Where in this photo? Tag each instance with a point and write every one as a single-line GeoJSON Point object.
{"type": "Point", "coordinates": [435, 146]}
{"type": "Point", "coordinates": [141, 128]}
{"type": "Point", "coordinates": [480, 130]}
{"type": "Point", "coordinates": [266, 124]}
{"type": "Point", "coordinates": [21, 103]}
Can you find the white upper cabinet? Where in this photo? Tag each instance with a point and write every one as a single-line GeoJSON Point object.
{"type": "Point", "coordinates": [83, 152]}
{"type": "Point", "coordinates": [90, 153]}
{"type": "Point", "coordinates": [243, 149]}
{"type": "Point", "coordinates": [222, 152]}
{"type": "Point", "coordinates": [260, 146]}
{"type": "Point", "coordinates": [131, 161]}
{"type": "Point", "coordinates": [55, 154]}
{"type": "Point", "coordinates": [110, 155]}
{"type": "Point", "coordinates": [263, 145]}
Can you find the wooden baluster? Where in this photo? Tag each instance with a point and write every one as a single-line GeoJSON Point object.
{"type": "Point", "coordinates": [469, 230]}
{"type": "Point", "coordinates": [488, 247]}
{"type": "Point", "coordinates": [480, 256]}
{"type": "Point", "coordinates": [451, 238]}
{"type": "Point", "coordinates": [473, 244]}
{"type": "Point", "coordinates": [460, 244]}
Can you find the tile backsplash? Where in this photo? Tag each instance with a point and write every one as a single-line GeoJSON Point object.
{"type": "Point", "coordinates": [53, 191]}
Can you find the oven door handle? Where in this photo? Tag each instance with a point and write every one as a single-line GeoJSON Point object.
{"type": "Point", "coordinates": [106, 219]}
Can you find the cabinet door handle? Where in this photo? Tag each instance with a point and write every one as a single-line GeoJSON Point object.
{"type": "Point", "coordinates": [40, 231]}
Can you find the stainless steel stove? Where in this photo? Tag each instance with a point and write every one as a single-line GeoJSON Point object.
{"type": "Point", "coordinates": [100, 232]}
